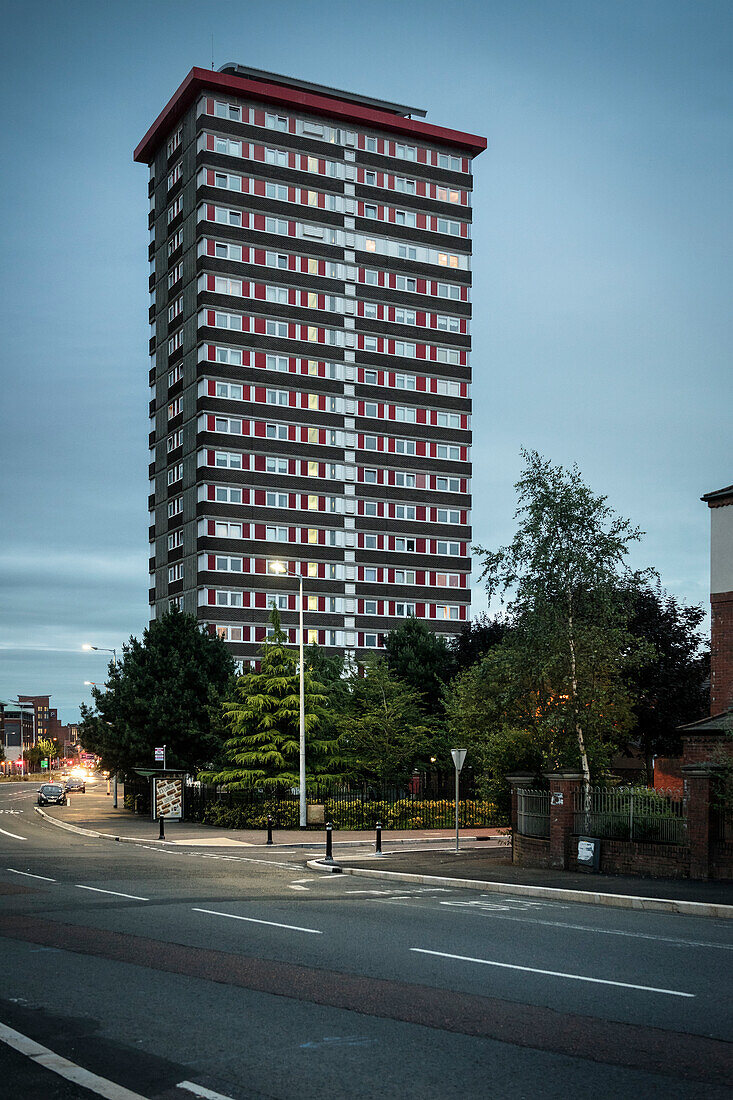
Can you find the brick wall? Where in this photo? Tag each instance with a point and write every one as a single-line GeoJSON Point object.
{"type": "Point", "coordinates": [667, 774]}
{"type": "Point", "coordinates": [530, 851]}
{"type": "Point", "coordinates": [630, 857]}
{"type": "Point", "coordinates": [721, 651]}
{"type": "Point", "coordinates": [721, 860]}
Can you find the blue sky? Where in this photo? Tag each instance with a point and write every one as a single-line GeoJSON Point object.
{"type": "Point", "coordinates": [601, 281]}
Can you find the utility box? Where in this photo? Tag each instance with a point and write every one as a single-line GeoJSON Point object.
{"type": "Point", "coordinates": [589, 854]}
{"type": "Point", "coordinates": [315, 815]}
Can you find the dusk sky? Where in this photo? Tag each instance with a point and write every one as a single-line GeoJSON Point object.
{"type": "Point", "coordinates": [602, 309]}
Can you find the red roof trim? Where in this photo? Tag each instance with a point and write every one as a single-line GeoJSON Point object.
{"type": "Point", "coordinates": [198, 79]}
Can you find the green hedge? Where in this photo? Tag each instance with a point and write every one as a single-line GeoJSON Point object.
{"type": "Point", "coordinates": [404, 814]}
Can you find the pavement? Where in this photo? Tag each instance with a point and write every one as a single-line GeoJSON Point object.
{"type": "Point", "coordinates": [410, 855]}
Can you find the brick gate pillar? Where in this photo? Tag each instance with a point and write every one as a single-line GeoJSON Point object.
{"type": "Point", "coordinates": [563, 785]}
{"type": "Point", "coordinates": [697, 780]}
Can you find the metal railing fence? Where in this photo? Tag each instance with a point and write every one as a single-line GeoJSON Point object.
{"type": "Point", "coordinates": [533, 813]}
{"type": "Point", "coordinates": [630, 813]}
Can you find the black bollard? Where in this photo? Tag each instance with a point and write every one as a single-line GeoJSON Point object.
{"type": "Point", "coordinates": [378, 848]}
{"type": "Point", "coordinates": [329, 843]}
{"type": "Point", "coordinates": [161, 834]}
{"type": "Point", "coordinates": [269, 829]}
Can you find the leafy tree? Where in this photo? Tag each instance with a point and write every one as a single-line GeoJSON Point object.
{"type": "Point", "coordinates": [571, 590]}
{"type": "Point", "coordinates": [476, 639]}
{"type": "Point", "coordinates": [384, 729]}
{"type": "Point", "coordinates": [670, 688]}
{"type": "Point", "coordinates": [44, 749]}
{"type": "Point", "coordinates": [422, 659]}
{"type": "Point", "coordinates": [263, 749]}
{"type": "Point", "coordinates": [166, 690]}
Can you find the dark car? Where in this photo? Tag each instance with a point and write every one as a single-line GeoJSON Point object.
{"type": "Point", "coordinates": [51, 794]}
{"type": "Point", "coordinates": [74, 783]}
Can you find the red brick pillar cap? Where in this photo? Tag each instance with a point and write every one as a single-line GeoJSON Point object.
{"type": "Point", "coordinates": [520, 779]}
{"type": "Point", "coordinates": [704, 767]}
{"type": "Point", "coordinates": [564, 774]}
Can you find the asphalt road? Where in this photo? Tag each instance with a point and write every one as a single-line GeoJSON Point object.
{"type": "Point", "coordinates": [251, 976]}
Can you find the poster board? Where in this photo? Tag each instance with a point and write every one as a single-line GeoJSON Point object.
{"type": "Point", "coordinates": [168, 798]}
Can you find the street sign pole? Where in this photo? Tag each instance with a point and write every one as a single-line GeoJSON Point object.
{"type": "Point", "coordinates": [459, 755]}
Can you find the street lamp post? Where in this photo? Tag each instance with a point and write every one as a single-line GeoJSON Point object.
{"type": "Point", "coordinates": [103, 649]}
{"type": "Point", "coordinates": [281, 567]}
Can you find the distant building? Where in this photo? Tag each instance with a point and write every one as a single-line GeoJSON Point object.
{"type": "Point", "coordinates": [310, 279]}
{"type": "Point", "coordinates": [16, 731]}
{"type": "Point", "coordinates": [720, 504]}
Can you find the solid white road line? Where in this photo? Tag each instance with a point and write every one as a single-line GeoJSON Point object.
{"type": "Point", "coordinates": [14, 835]}
{"type": "Point", "coordinates": [42, 1056]}
{"type": "Point", "coordinates": [199, 1090]}
{"type": "Point", "coordinates": [295, 886]}
{"type": "Point", "coordinates": [553, 973]}
{"type": "Point", "coordinates": [116, 893]}
{"type": "Point", "coordinates": [253, 920]}
{"type": "Point", "coordinates": [27, 874]}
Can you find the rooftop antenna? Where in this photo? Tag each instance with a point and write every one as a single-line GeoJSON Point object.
{"type": "Point", "coordinates": [212, 51]}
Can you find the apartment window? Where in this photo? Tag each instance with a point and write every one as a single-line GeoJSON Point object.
{"type": "Point", "coordinates": [229, 355]}
{"type": "Point", "coordinates": [404, 576]}
{"type": "Point", "coordinates": [277, 500]}
{"type": "Point", "coordinates": [404, 545]}
{"type": "Point", "coordinates": [449, 484]}
{"type": "Point", "coordinates": [225, 494]}
{"type": "Point", "coordinates": [229, 148]}
{"type": "Point", "coordinates": [227, 217]}
{"type": "Point", "coordinates": [404, 446]}
{"type": "Point", "coordinates": [224, 530]}
{"type": "Point", "coordinates": [404, 511]}
{"type": "Point", "coordinates": [174, 175]}
{"type": "Point", "coordinates": [453, 164]}
{"type": "Point", "coordinates": [276, 225]}
{"type": "Point", "coordinates": [406, 152]}
{"type": "Point", "coordinates": [277, 294]}
{"type": "Point", "coordinates": [276, 431]}
{"type": "Point", "coordinates": [404, 609]}
{"type": "Point", "coordinates": [175, 507]}
{"type": "Point", "coordinates": [228, 460]}
{"type": "Point", "coordinates": [175, 539]}
{"type": "Point", "coordinates": [229, 389]}
{"type": "Point", "coordinates": [370, 574]}
{"type": "Point", "coordinates": [174, 440]}
{"type": "Point", "coordinates": [453, 453]}
{"type": "Point", "coordinates": [224, 424]}
{"type": "Point", "coordinates": [226, 564]}
{"type": "Point", "coordinates": [370, 179]}
{"type": "Point", "coordinates": [175, 308]}
{"type": "Point", "coordinates": [405, 381]}
{"type": "Point", "coordinates": [406, 253]}
{"type": "Point", "coordinates": [371, 542]}
{"type": "Point", "coordinates": [228, 110]}
{"type": "Point", "coordinates": [370, 607]}
{"type": "Point", "coordinates": [277, 362]}
{"type": "Point", "coordinates": [404, 481]}
{"type": "Point", "coordinates": [449, 389]}
{"type": "Point", "coordinates": [452, 548]}
{"type": "Point", "coordinates": [277, 397]}
{"type": "Point", "coordinates": [277, 191]}
{"type": "Point", "coordinates": [277, 122]}
{"type": "Point", "coordinates": [370, 477]}
{"type": "Point", "coordinates": [370, 244]}
{"type": "Point", "coordinates": [402, 282]}
{"type": "Point", "coordinates": [370, 343]}
{"type": "Point", "coordinates": [280, 466]}
{"type": "Point", "coordinates": [228, 320]}
{"type": "Point", "coordinates": [175, 473]}
{"type": "Point", "coordinates": [175, 141]}
{"type": "Point", "coordinates": [370, 641]}
{"type": "Point", "coordinates": [448, 515]}
{"type": "Point", "coordinates": [222, 285]}
{"type": "Point", "coordinates": [276, 534]}
{"type": "Point", "coordinates": [277, 328]}
{"type": "Point", "coordinates": [371, 277]}
{"type": "Point", "coordinates": [175, 274]}
{"type": "Point", "coordinates": [174, 408]}
{"type": "Point", "coordinates": [448, 420]}
{"type": "Point", "coordinates": [405, 217]}
{"type": "Point", "coordinates": [175, 375]}
{"type": "Point", "coordinates": [447, 355]}
{"type": "Point", "coordinates": [175, 572]}
{"type": "Point", "coordinates": [175, 241]}
{"type": "Point", "coordinates": [370, 211]}
{"type": "Point", "coordinates": [405, 414]}
{"type": "Point", "coordinates": [175, 341]}
{"type": "Point", "coordinates": [175, 209]}
{"type": "Point", "coordinates": [404, 316]}
{"type": "Point", "coordinates": [370, 377]}
{"type": "Point", "coordinates": [224, 251]}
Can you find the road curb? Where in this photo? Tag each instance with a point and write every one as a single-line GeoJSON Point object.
{"type": "Point", "coordinates": [549, 893]}
{"type": "Point", "coordinates": [92, 832]}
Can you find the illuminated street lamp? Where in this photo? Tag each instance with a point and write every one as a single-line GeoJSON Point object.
{"type": "Point", "coordinates": [102, 649]}
{"type": "Point", "coordinates": [281, 568]}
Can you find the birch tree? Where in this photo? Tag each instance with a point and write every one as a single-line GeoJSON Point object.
{"type": "Point", "coordinates": [568, 589]}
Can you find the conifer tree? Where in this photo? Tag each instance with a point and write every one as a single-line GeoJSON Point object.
{"type": "Point", "coordinates": [264, 715]}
